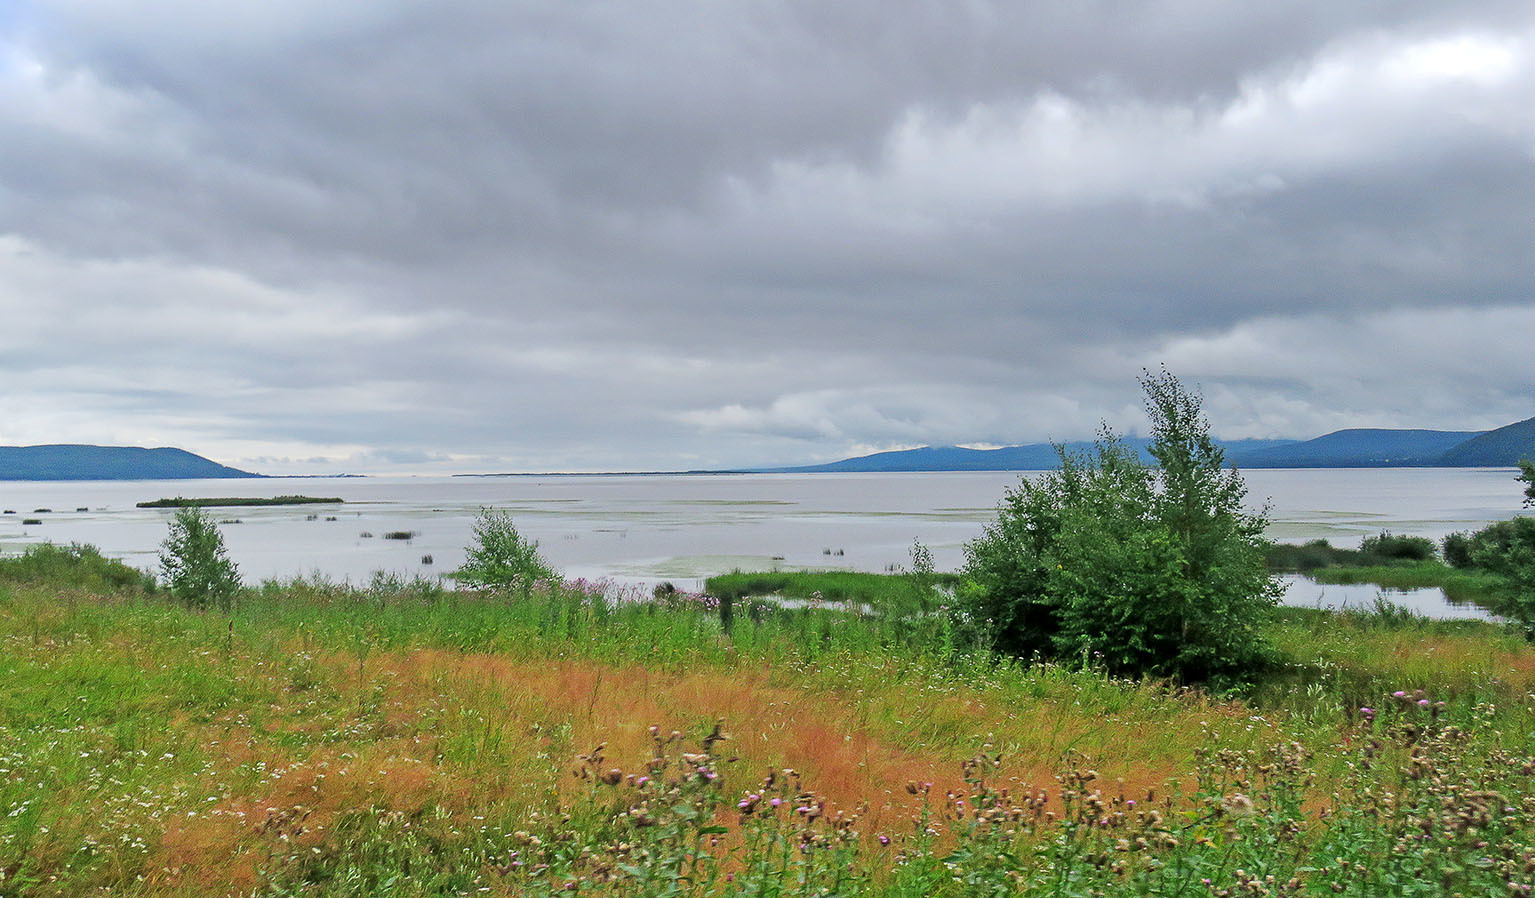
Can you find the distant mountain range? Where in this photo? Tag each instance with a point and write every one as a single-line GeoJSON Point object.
{"type": "Point", "coordinates": [77, 462]}
{"type": "Point", "coordinates": [1354, 448]}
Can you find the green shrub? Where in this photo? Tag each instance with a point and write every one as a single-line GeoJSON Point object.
{"type": "Point", "coordinates": [1146, 570]}
{"type": "Point", "coordinates": [501, 556]}
{"type": "Point", "coordinates": [1384, 549]}
{"type": "Point", "coordinates": [193, 562]}
{"type": "Point", "coordinates": [1389, 547]}
{"type": "Point", "coordinates": [1507, 548]}
{"type": "Point", "coordinates": [75, 565]}
{"type": "Point", "coordinates": [1311, 556]}
{"type": "Point", "coordinates": [1456, 549]}
{"type": "Point", "coordinates": [1501, 546]}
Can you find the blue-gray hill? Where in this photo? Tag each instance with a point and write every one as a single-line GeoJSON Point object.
{"type": "Point", "coordinates": [78, 462]}
{"type": "Point", "coordinates": [1359, 448]}
{"type": "Point", "coordinates": [1503, 447]}
{"type": "Point", "coordinates": [1031, 457]}
{"type": "Point", "coordinates": [1353, 448]}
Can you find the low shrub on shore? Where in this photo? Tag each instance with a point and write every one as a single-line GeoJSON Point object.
{"type": "Point", "coordinates": [1382, 550]}
{"type": "Point", "coordinates": [74, 566]}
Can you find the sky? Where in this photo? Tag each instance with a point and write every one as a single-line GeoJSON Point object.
{"type": "Point", "coordinates": [380, 236]}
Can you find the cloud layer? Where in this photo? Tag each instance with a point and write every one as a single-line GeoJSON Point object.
{"type": "Point", "coordinates": [391, 235]}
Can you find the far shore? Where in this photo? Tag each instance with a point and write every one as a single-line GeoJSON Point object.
{"type": "Point", "coordinates": [237, 501]}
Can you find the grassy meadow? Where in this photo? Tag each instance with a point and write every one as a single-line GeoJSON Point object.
{"type": "Point", "coordinates": [402, 739]}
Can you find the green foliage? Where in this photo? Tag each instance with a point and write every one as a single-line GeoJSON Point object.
{"type": "Point", "coordinates": [193, 562]}
{"type": "Point", "coordinates": [1505, 551]}
{"type": "Point", "coordinates": [1318, 553]}
{"type": "Point", "coordinates": [921, 580]}
{"type": "Point", "coordinates": [74, 566]}
{"type": "Point", "coordinates": [877, 591]}
{"type": "Point", "coordinates": [1390, 547]}
{"type": "Point", "coordinates": [1383, 550]}
{"type": "Point", "coordinates": [501, 556]}
{"type": "Point", "coordinates": [1507, 548]}
{"type": "Point", "coordinates": [1456, 549]}
{"type": "Point", "coordinates": [1147, 570]}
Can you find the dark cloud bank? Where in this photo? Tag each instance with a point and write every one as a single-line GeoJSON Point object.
{"type": "Point", "coordinates": [406, 236]}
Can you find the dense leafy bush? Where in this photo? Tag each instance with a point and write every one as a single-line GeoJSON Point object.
{"type": "Point", "coordinates": [193, 562]}
{"type": "Point", "coordinates": [1456, 549]}
{"type": "Point", "coordinates": [1311, 556]}
{"type": "Point", "coordinates": [1390, 547]}
{"type": "Point", "coordinates": [1507, 548]}
{"type": "Point", "coordinates": [501, 556]}
{"type": "Point", "coordinates": [1144, 569]}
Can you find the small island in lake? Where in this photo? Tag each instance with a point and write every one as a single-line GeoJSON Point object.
{"type": "Point", "coordinates": [231, 501]}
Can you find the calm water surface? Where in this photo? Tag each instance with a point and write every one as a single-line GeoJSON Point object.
{"type": "Point", "coordinates": [642, 529]}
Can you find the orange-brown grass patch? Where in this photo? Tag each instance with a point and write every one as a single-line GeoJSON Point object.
{"type": "Point", "coordinates": [221, 848]}
{"type": "Point", "coordinates": [843, 751]}
{"type": "Point", "coordinates": [481, 734]}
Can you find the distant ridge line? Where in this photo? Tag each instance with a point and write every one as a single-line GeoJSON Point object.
{"type": "Point", "coordinates": [1348, 448]}
{"type": "Point", "coordinates": [79, 461]}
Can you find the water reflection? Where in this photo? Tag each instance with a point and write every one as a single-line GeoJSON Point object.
{"type": "Point", "coordinates": [1303, 592]}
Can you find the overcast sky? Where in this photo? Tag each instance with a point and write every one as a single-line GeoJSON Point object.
{"type": "Point", "coordinates": [374, 235]}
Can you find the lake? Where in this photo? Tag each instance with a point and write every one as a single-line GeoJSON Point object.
{"type": "Point", "coordinates": [641, 529]}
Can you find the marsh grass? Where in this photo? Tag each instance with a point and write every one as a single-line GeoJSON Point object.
{"type": "Point", "coordinates": [851, 587]}
{"type": "Point", "coordinates": [400, 738]}
{"type": "Point", "coordinates": [1460, 585]}
{"type": "Point", "coordinates": [238, 501]}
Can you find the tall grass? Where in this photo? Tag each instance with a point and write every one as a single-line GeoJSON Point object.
{"type": "Point", "coordinates": [398, 738]}
{"type": "Point", "coordinates": [854, 587]}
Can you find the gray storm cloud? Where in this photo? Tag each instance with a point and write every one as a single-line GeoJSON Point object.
{"type": "Point", "coordinates": [388, 235]}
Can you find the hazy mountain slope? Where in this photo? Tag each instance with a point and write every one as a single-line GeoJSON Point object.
{"type": "Point", "coordinates": [78, 462]}
{"type": "Point", "coordinates": [1353, 448]}
{"type": "Point", "coordinates": [1031, 457]}
{"type": "Point", "coordinates": [1358, 448]}
{"type": "Point", "coordinates": [1501, 447]}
